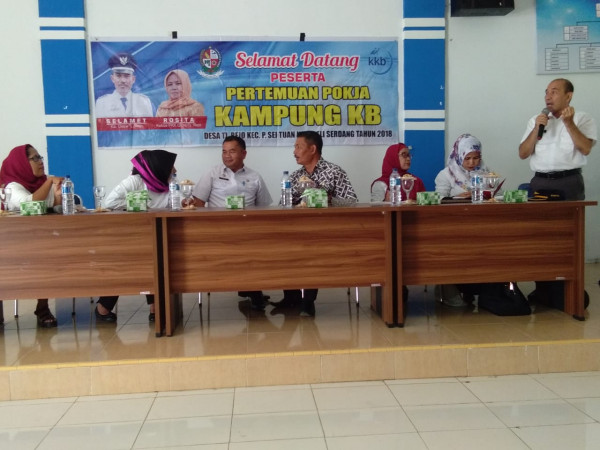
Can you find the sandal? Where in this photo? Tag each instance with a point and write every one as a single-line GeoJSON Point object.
{"type": "Point", "coordinates": [45, 319]}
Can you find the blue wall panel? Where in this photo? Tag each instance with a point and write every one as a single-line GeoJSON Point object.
{"type": "Point", "coordinates": [428, 154]}
{"type": "Point", "coordinates": [61, 8]}
{"type": "Point", "coordinates": [424, 8]}
{"type": "Point", "coordinates": [424, 74]}
{"type": "Point", "coordinates": [65, 77]}
{"type": "Point", "coordinates": [71, 155]}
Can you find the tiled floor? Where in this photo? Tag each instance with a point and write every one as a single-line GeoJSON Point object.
{"type": "Point", "coordinates": [552, 411]}
{"type": "Point", "coordinates": [535, 410]}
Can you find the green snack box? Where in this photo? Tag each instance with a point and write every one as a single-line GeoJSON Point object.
{"type": "Point", "coordinates": [315, 198]}
{"type": "Point", "coordinates": [235, 202]}
{"type": "Point", "coordinates": [516, 196]}
{"type": "Point", "coordinates": [137, 201]}
{"type": "Point", "coordinates": [428, 198]}
{"type": "Point", "coordinates": [36, 208]}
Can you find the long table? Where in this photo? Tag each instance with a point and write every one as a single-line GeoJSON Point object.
{"type": "Point", "coordinates": [491, 242]}
{"type": "Point", "coordinates": [209, 250]}
{"type": "Point", "coordinates": [85, 254]}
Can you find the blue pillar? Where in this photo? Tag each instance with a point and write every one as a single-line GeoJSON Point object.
{"type": "Point", "coordinates": [423, 34]}
{"type": "Point", "coordinates": [66, 97]}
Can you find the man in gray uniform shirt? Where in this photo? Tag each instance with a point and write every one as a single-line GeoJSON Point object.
{"type": "Point", "coordinates": [232, 177]}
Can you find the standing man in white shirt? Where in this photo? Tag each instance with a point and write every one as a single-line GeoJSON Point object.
{"type": "Point", "coordinates": [232, 177]}
{"type": "Point", "coordinates": [122, 102]}
{"type": "Point", "coordinates": [557, 143]}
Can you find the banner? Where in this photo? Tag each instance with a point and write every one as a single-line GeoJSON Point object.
{"type": "Point", "coordinates": [187, 93]}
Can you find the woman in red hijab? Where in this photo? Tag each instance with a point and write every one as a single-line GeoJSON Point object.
{"type": "Point", "coordinates": [23, 172]}
{"type": "Point", "coordinates": [398, 157]}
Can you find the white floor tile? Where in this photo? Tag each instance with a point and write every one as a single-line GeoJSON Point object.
{"type": "Point", "coordinates": [405, 441]}
{"type": "Point", "coordinates": [192, 406]}
{"type": "Point", "coordinates": [32, 415]}
{"type": "Point", "coordinates": [493, 439]}
{"type": "Point", "coordinates": [509, 388]}
{"type": "Point", "coordinates": [22, 438]}
{"type": "Point", "coordinates": [422, 381]}
{"type": "Point", "coordinates": [572, 386]}
{"type": "Point", "coordinates": [365, 422]}
{"type": "Point", "coordinates": [590, 406]}
{"type": "Point", "coordinates": [561, 437]}
{"type": "Point", "coordinates": [354, 397]}
{"type": "Point", "coordinates": [432, 394]}
{"type": "Point", "coordinates": [102, 411]}
{"type": "Point", "coordinates": [264, 427]}
{"type": "Point", "coordinates": [253, 402]}
{"type": "Point", "coordinates": [183, 432]}
{"type": "Point", "coordinates": [452, 417]}
{"type": "Point", "coordinates": [195, 392]}
{"type": "Point", "coordinates": [536, 413]}
{"type": "Point", "coordinates": [287, 444]}
{"type": "Point", "coordinates": [92, 437]}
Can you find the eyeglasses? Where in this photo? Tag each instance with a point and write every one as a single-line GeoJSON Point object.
{"type": "Point", "coordinates": [406, 155]}
{"type": "Point", "coordinates": [36, 158]}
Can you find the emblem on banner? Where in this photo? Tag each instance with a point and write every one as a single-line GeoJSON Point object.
{"type": "Point", "coordinates": [210, 63]}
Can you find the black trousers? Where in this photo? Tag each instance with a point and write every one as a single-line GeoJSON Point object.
{"type": "Point", "coordinates": [572, 186]}
{"type": "Point", "coordinates": [295, 295]}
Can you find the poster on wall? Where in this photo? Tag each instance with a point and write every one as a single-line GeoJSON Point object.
{"type": "Point", "coordinates": [568, 36]}
{"type": "Point", "coordinates": [191, 93]}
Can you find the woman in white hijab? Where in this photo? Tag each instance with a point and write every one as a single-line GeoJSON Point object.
{"type": "Point", "coordinates": [454, 180]}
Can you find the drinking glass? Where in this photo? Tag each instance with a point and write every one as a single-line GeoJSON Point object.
{"type": "Point", "coordinates": [99, 193]}
{"type": "Point", "coordinates": [490, 181]}
{"type": "Point", "coordinates": [5, 194]}
{"type": "Point", "coordinates": [407, 184]}
{"type": "Point", "coordinates": [186, 191]}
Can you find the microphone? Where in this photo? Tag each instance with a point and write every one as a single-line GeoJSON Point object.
{"type": "Point", "coordinates": [545, 111]}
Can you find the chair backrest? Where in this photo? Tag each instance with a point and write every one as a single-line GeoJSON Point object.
{"type": "Point", "coordinates": [526, 187]}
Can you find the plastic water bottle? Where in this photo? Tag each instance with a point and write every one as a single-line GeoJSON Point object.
{"type": "Point", "coordinates": [286, 190]}
{"type": "Point", "coordinates": [395, 187]}
{"type": "Point", "coordinates": [68, 196]}
{"type": "Point", "coordinates": [476, 187]}
{"type": "Point", "coordinates": [174, 194]}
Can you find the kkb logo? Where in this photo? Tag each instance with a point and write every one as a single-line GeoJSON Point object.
{"type": "Point", "coordinates": [380, 61]}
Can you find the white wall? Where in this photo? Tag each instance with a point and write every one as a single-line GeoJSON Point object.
{"type": "Point", "coordinates": [492, 86]}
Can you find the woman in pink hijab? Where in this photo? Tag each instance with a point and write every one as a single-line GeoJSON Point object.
{"type": "Point", "coordinates": [180, 103]}
{"type": "Point", "coordinates": [398, 157]}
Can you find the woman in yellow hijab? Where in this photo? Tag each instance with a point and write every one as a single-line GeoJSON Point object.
{"type": "Point", "coordinates": [180, 103]}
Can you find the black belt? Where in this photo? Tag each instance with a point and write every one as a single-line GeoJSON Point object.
{"type": "Point", "coordinates": [559, 174]}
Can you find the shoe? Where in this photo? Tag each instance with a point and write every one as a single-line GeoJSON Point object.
{"type": "Point", "coordinates": [110, 317]}
{"type": "Point", "coordinates": [249, 295]}
{"type": "Point", "coordinates": [258, 302]}
{"type": "Point", "coordinates": [308, 310]}
{"type": "Point", "coordinates": [151, 317]}
{"type": "Point", "coordinates": [45, 319]}
{"type": "Point", "coordinates": [284, 303]}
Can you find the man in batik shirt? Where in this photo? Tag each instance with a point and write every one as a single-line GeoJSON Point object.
{"type": "Point", "coordinates": [325, 175]}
